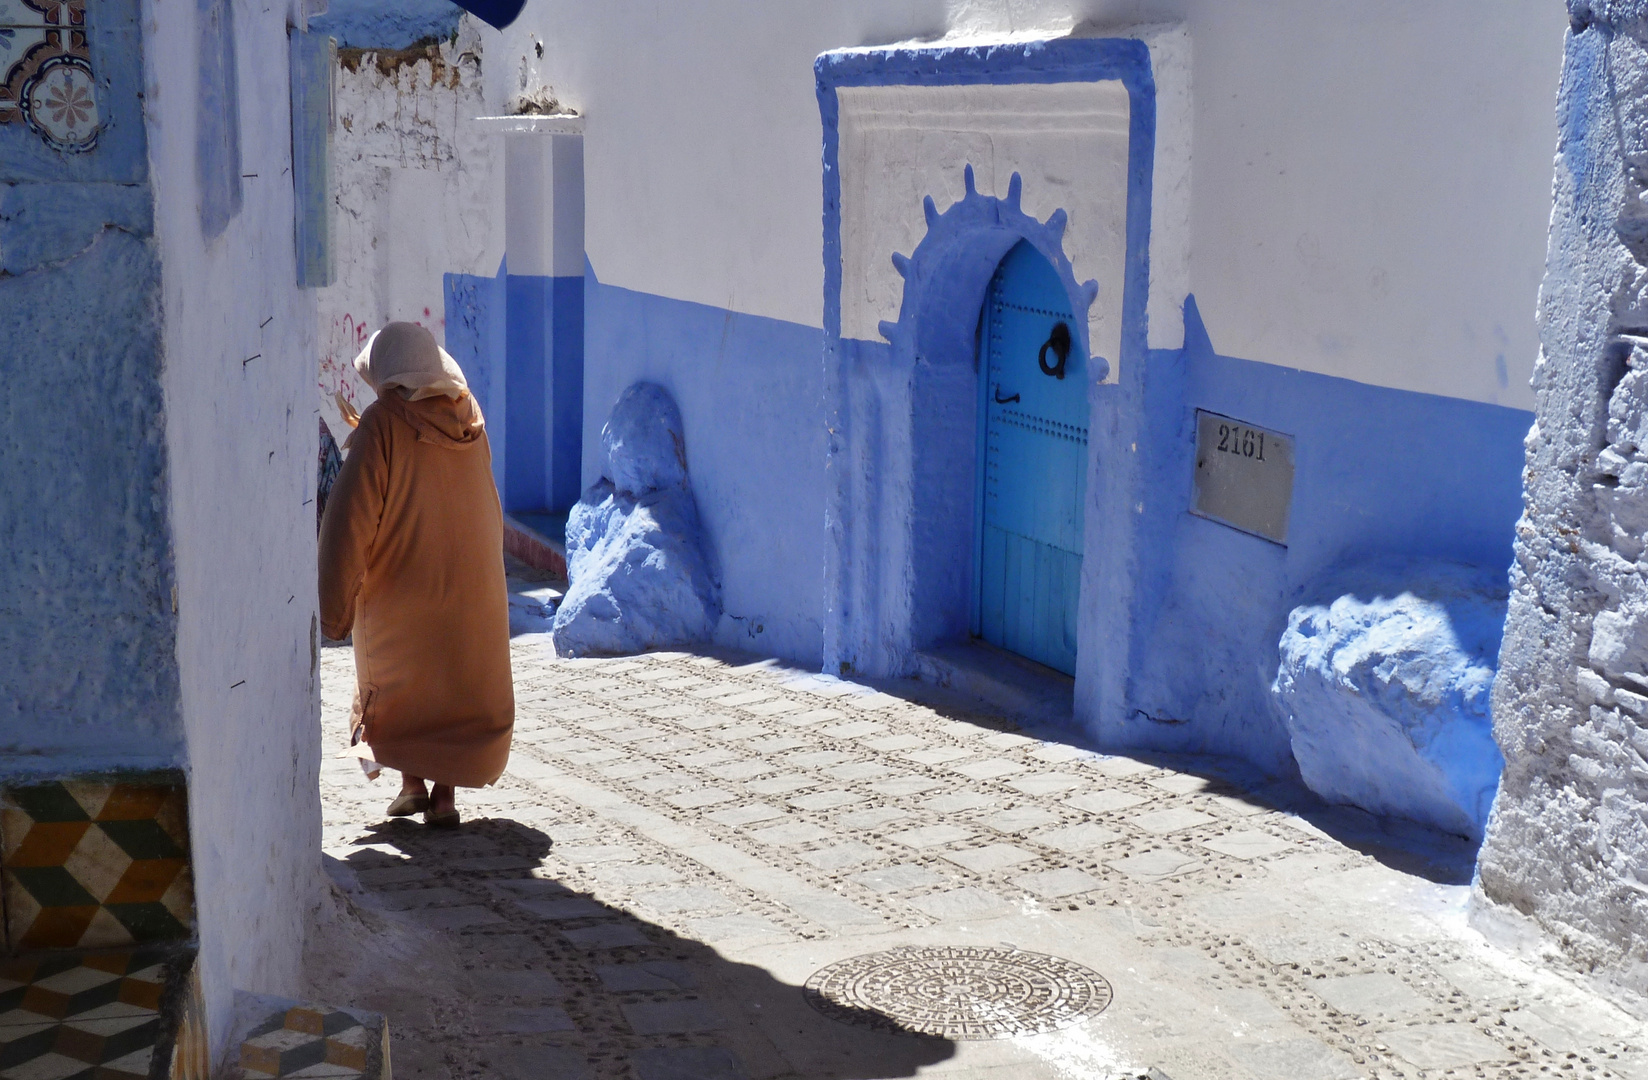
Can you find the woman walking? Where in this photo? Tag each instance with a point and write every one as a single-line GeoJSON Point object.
{"type": "Point", "coordinates": [411, 560]}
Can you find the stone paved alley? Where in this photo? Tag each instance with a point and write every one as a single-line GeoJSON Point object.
{"type": "Point", "coordinates": [683, 840]}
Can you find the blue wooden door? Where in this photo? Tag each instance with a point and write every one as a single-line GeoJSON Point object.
{"type": "Point", "coordinates": [1033, 475]}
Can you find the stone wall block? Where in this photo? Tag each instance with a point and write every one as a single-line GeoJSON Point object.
{"type": "Point", "coordinates": [1568, 837]}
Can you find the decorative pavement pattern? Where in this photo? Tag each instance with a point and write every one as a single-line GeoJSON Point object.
{"type": "Point", "coordinates": [683, 841]}
{"type": "Point", "coordinates": [958, 992]}
{"type": "Point", "coordinates": [84, 1016]}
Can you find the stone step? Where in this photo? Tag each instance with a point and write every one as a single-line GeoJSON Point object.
{"type": "Point", "coordinates": [280, 1037]}
{"type": "Point", "coordinates": [534, 542]}
{"type": "Point", "coordinates": [1020, 687]}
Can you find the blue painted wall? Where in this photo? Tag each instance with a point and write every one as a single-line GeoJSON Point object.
{"type": "Point", "coordinates": [545, 375]}
{"type": "Point", "coordinates": [87, 627]}
{"type": "Point", "coordinates": [475, 336]}
{"type": "Point", "coordinates": [520, 341]}
{"type": "Point", "coordinates": [387, 24]}
{"type": "Point", "coordinates": [750, 391]}
{"type": "Point", "coordinates": [1380, 474]}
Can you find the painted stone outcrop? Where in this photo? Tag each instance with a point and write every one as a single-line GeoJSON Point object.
{"type": "Point", "coordinates": [1384, 693]}
{"type": "Point", "coordinates": [637, 565]}
{"type": "Point", "coordinates": [1568, 841]}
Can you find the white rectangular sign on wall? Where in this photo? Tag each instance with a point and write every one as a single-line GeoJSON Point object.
{"type": "Point", "coordinates": [1244, 476]}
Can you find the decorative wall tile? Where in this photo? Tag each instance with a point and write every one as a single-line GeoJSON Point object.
{"type": "Point", "coordinates": [46, 78]}
{"type": "Point", "coordinates": [95, 864]}
{"type": "Point", "coordinates": [68, 1016]}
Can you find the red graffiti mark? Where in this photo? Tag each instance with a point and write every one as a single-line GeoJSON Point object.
{"type": "Point", "coordinates": [336, 374]}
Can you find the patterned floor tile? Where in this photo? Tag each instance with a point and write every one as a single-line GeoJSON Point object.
{"type": "Point", "coordinates": [84, 1015]}
{"type": "Point", "coordinates": [315, 1042]}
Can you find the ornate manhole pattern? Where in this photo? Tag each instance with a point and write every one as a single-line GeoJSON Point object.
{"type": "Point", "coordinates": [958, 992]}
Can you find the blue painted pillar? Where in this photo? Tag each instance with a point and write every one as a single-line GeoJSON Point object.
{"type": "Point", "coordinates": [566, 418]}
{"type": "Point", "coordinates": [544, 296]}
{"type": "Point", "coordinates": [526, 360]}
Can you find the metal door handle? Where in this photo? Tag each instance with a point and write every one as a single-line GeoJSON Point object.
{"type": "Point", "coordinates": [1059, 342]}
{"type": "Point", "coordinates": [1005, 400]}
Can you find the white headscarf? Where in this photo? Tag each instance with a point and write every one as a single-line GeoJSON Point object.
{"type": "Point", "coordinates": [405, 355]}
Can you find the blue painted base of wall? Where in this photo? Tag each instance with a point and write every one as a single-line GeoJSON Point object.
{"type": "Point", "coordinates": [1380, 473]}
{"type": "Point", "coordinates": [750, 390]}
{"type": "Point", "coordinates": [519, 339]}
{"type": "Point", "coordinates": [544, 332]}
{"type": "Point", "coordinates": [475, 313]}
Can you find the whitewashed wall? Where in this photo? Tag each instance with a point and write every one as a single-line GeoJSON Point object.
{"type": "Point", "coordinates": [1567, 846]}
{"type": "Point", "coordinates": [1370, 183]}
{"type": "Point", "coordinates": [240, 432]}
{"type": "Point", "coordinates": [419, 195]}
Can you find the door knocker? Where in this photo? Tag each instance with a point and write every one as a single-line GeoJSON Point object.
{"type": "Point", "coordinates": [1059, 342]}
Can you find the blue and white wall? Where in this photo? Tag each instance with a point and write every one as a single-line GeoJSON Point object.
{"type": "Point", "coordinates": [1344, 243]}
{"type": "Point", "coordinates": [155, 554]}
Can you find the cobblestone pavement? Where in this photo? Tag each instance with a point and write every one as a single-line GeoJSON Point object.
{"type": "Point", "coordinates": [683, 840]}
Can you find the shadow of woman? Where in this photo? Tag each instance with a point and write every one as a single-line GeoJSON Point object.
{"type": "Point", "coordinates": [564, 985]}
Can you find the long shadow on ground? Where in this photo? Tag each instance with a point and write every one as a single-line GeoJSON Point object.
{"type": "Point", "coordinates": [563, 986]}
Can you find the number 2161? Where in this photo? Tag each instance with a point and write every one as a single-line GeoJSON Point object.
{"type": "Point", "coordinates": [1242, 441]}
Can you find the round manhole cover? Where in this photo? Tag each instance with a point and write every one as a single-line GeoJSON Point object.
{"type": "Point", "coordinates": [958, 992]}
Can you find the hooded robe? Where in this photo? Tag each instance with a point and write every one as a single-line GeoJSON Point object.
{"type": "Point", "coordinates": [411, 561]}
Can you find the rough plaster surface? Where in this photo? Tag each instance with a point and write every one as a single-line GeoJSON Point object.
{"type": "Point", "coordinates": [419, 194]}
{"type": "Point", "coordinates": [1384, 692]}
{"type": "Point", "coordinates": [386, 24]}
{"type": "Point", "coordinates": [639, 574]}
{"type": "Point", "coordinates": [240, 437]}
{"type": "Point", "coordinates": [89, 677]}
{"type": "Point", "coordinates": [87, 627]}
{"type": "Point", "coordinates": [1569, 836]}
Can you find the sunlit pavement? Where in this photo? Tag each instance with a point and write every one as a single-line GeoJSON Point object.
{"type": "Point", "coordinates": [682, 841]}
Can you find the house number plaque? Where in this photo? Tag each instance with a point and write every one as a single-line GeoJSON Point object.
{"type": "Point", "coordinates": [1244, 476]}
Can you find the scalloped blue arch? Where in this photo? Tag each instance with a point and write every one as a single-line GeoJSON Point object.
{"type": "Point", "coordinates": [1072, 59]}
{"type": "Point", "coordinates": [952, 266]}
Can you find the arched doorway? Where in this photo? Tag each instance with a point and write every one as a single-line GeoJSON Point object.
{"type": "Point", "coordinates": [1032, 483]}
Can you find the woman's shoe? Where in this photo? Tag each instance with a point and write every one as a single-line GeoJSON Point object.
{"type": "Point", "coordinates": [408, 803]}
{"type": "Point", "coordinates": [441, 819]}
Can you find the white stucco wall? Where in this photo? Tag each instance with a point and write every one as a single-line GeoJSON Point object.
{"type": "Point", "coordinates": [1368, 193]}
{"type": "Point", "coordinates": [240, 431]}
{"type": "Point", "coordinates": [902, 143]}
{"type": "Point", "coordinates": [419, 194]}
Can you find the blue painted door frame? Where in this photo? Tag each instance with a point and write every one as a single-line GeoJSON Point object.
{"type": "Point", "coordinates": [1032, 482]}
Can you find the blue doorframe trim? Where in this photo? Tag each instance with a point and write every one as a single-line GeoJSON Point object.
{"type": "Point", "coordinates": [1061, 60]}
{"type": "Point", "coordinates": [862, 620]}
